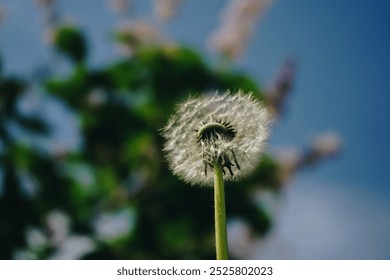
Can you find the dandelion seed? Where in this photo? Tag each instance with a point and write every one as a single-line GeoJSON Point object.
{"type": "Point", "coordinates": [229, 129]}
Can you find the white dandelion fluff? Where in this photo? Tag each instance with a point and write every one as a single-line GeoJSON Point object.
{"type": "Point", "coordinates": [229, 129]}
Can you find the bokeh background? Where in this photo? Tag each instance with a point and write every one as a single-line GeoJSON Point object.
{"type": "Point", "coordinates": [85, 86]}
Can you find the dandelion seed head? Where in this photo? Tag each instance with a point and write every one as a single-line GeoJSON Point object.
{"type": "Point", "coordinates": [231, 129]}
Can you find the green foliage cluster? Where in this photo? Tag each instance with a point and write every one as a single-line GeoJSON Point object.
{"type": "Point", "coordinates": [120, 108]}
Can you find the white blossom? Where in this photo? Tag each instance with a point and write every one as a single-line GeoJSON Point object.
{"type": "Point", "coordinates": [327, 144]}
{"type": "Point", "coordinates": [120, 6]}
{"type": "Point", "coordinates": [3, 13]}
{"type": "Point", "coordinates": [237, 23]}
{"type": "Point", "coordinates": [134, 34]}
{"type": "Point", "coordinates": [231, 129]}
{"type": "Point", "coordinates": [165, 10]}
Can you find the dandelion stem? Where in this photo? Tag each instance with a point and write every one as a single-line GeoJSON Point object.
{"type": "Point", "coordinates": [221, 245]}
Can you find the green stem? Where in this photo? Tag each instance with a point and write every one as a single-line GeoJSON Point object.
{"type": "Point", "coordinates": [221, 245]}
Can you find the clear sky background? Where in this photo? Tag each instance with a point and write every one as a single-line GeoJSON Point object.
{"type": "Point", "coordinates": [339, 209]}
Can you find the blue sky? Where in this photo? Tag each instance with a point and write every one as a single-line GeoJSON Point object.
{"type": "Point", "coordinates": [342, 84]}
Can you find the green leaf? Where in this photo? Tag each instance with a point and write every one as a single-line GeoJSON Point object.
{"type": "Point", "coordinates": [70, 41]}
{"type": "Point", "coordinates": [32, 123]}
{"type": "Point", "coordinates": [11, 86]}
{"type": "Point", "coordinates": [10, 90]}
{"type": "Point", "coordinates": [72, 90]}
{"type": "Point", "coordinates": [174, 71]}
{"type": "Point", "coordinates": [236, 81]}
{"type": "Point", "coordinates": [1, 65]}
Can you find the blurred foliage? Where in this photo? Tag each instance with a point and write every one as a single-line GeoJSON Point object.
{"type": "Point", "coordinates": [70, 41]}
{"type": "Point", "coordinates": [120, 167]}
